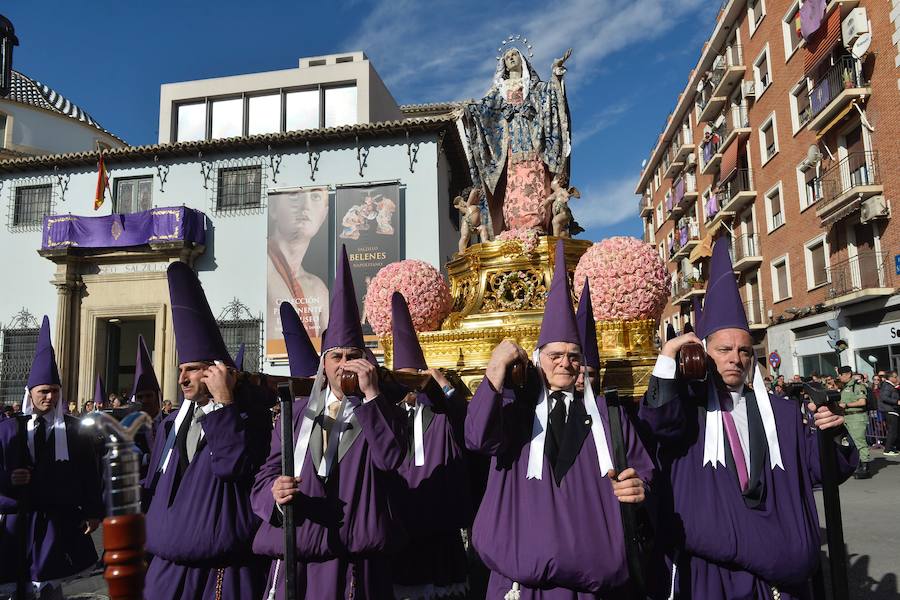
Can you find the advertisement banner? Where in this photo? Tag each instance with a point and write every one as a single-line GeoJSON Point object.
{"type": "Point", "coordinates": [298, 255]}
{"type": "Point", "coordinates": [367, 221]}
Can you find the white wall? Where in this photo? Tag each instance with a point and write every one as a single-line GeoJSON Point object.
{"type": "Point", "coordinates": [38, 131]}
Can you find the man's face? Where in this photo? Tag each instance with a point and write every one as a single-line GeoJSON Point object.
{"type": "Point", "coordinates": [592, 376]}
{"type": "Point", "coordinates": [17, 406]}
{"type": "Point", "coordinates": [44, 398]}
{"type": "Point", "coordinates": [189, 376]}
{"type": "Point", "coordinates": [89, 406]}
{"type": "Point", "coordinates": [334, 366]}
{"type": "Point", "coordinates": [796, 379]}
{"type": "Point", "coordinates": [732, 351]}
{"type": "Point", "coordinates": [560, 362]}
{"type": "Point", "coordinates": [149, 402]}
{"type": "Point", "coordinates": [845, 377]}
{"type": "Point", "coordinates": [894, 378]}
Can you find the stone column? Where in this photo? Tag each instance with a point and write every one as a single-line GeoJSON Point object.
{"type": "Point", "coordinates": [68, 290]}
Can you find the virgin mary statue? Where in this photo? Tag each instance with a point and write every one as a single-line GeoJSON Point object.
{"type": "Point", "coordinates": [517, 140]}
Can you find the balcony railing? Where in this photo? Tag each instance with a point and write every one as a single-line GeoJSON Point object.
{"type": "Point", "coordinates": [737, 118]}
{"type": "Point", "coordinates": [857, 169]}
{"type": "Point", "coordinates": [746, 246]}
{"type": "Point", "coordinates": [756, 313]}
{"type": "Point", "coordinates": [842, 75]}
{"type": "Point", "coordinates": [645, 208]}
{"type": "Point", "coordinates": [711, 146]}
{"type": "Point", "coordinates": [728, 191]}
{"type": "Point", "coordinates": [685, 287]}
{"type": "Point", "coordinates": [868, 270]}
{"type": "Point", "coordinates": [711, 208]}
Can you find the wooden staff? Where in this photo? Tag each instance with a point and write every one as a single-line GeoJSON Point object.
{"type": "Point", "coordinates": [23, 508]}
{"type": "Point", "coordinates": [288, 528]}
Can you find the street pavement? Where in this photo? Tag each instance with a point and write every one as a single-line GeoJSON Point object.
{"type": "Point", "coordinates": [870, 511]}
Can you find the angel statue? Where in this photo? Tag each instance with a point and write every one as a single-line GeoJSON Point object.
{"type": "Point", "coordinates": [562, 223]}
{"type": "Point", "coordinates": [470, 217]}
{"type": "Point", "coordinates": [517, 138]}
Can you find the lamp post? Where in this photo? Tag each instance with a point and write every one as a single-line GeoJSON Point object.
{"type": "Point", "coordinates": [8, 39]}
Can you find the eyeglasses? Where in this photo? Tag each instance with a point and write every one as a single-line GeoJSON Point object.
{"type": "Point", "coordinates": [556, 357]}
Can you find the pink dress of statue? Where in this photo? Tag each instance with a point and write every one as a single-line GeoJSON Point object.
{"type": "Point", "coordinates": [527, 183]}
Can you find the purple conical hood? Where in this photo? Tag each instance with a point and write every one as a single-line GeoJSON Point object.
{"type": "Point", "coordinates": [698, 313]}
{"type": "Point", "coordinates": [723, 307]}
{"type": "Point", "coordinates": [407, 351]}
{"type": "Point", "coordinates": [144, 375]}
{"type": "Point", "coordinates": [344, 327]}
{"type": "Point", "coordinates": [587, 328]}
{"type": "Point", "coordinates": [670, 332]}
{"type": "Point", "coordinates": [99, 393]}
{"type": "Point", "coordinates": [559, 318]}
{"type": "Point", "coordinates": [43, 367]}
{"type": "Point", "coordinates": [239, 357]}
{"type": "Point", "coordinates": [302, 356]}
{"type": "Point", "coordinates": [197, 335]}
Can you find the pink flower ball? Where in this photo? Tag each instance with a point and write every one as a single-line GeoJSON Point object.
{"type": "Point", "coordinates": [627, 278]}
{"type": "Point", "coordinates": [424, 288]}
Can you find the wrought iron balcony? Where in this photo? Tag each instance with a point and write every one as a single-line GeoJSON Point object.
{"type": "Point", "coordinates": [735, 127]}
{"type": "Point", "coordinates": [687, 236]}
{"type": "Point", "coordinates": [738, 191]}
{"type": "Point", "coordinates": [711, 148]}
{"type": "Point", "coordinates": [756, 314]}
{"type": "Point", "coordinates": [645, 208]}
{"type": "Point", "coordinates": [684, 288]}
{"type": "Point", "coordinates": [841, 84]}
{"type": "Point", "coordinates": [728, 71]}
{"type": "Point", "coordinates": [846, 184]}
{"type": "Point", "coordinates": [865, 275]}
{"type": "Point", "coordinates": [746, 254]}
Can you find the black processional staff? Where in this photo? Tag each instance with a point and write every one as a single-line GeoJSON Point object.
{"type": "Point", "coordinates": [289, 529]}
{"type": "Point", "coordinates": [23, 579]}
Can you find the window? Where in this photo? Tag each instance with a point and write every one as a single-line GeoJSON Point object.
{"type": "Point", "coordinates": [809, 186]}
{"type": "Point", "coordinates": [32, 204]}
{"type": "Point", "coordinates": [340, 106]}
{"type": "Point", "coordinates": [659, 215]}
{"type": "Point", "coordinates": [191, 125]}
{"type": "Point", "coordinates": [775, 208]}
{"type": "Point", "coordinates": [2, 131]}
{"type": "Point", "coordinates": [15, 362]}
{"type": "Point", "coordinates": [301, 110]}
{"type": "Point", "coordinates": [761, 72]}
{"type": "Point", "coordinates": [227, 118]}
{"type": "Point", "coordinates": [800, 109]}
{"type": "Point", "coordinates": [768, 139]}
{"type": "Point", "coordinates": [239, 188]}
{"type": "Point", "coordinates": [134, 194]}
{"type": "Point", "coordinates": [816, 262]}
{"type": "Point", "coordinates": [781, 279]}
{"type": "Point", "coordinates": [790, 27]}
{"type": "Point", "coordinates": [264, 114]}
{"type": "Point", "coordinates": [756, 10]}
{"type": "Point", "coordinates": [247, 332]}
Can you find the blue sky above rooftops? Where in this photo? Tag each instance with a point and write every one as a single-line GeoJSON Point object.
{"type": "Point", "coordinates": [631, 60]}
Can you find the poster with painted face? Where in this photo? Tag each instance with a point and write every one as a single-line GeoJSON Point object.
{"type": "Point", "coordinates": [297, 262]}
{"type": "Point", "coordinates": [367, 221]}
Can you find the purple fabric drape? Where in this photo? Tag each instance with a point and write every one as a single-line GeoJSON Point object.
{"type": "Point", "coordinates": [157, 225]}
{"type": "Point", "coordinates": [679, 191]}
{"type": "Point", "coordinates": [811, 14]}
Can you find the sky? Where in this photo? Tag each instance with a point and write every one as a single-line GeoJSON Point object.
{"type": "Point", "coordinates": [631, 59]}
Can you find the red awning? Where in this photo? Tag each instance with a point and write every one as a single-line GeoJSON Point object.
{"type": "Point", "coordinates": [730, 159]}
{"type": "Point", "coordinates": [822, 41]}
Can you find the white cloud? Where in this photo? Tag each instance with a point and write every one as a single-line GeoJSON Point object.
{"type": "Point", "coordinates": [598, 121]}
{"type": "Point", "coordinates": [610, 203]}
{"type": "Point", "coordinates": [441, 50]}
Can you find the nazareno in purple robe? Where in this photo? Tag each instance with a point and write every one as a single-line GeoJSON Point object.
{"type": "Point", "coordinates": [60, 497]}
{"type": "Point", "coordinates": [729, 546]}
{"type": "Point", "coordinates": [558, 542]}
{"type": "Point", "coordinates": [200, 525]}
{"type": "Point", "coordinates": [434, 502]}
{"type": "Point", "coordinates": [345, 524]}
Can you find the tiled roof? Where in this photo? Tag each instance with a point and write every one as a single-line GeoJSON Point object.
{"type": "Point", "coordinates": [29, 91]}
{"type": "Point", "coordinates": [433, 108]}
{"type": "Point", "coordinates": [260, 142]}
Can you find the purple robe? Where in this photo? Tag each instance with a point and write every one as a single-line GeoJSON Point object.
{"type": "Point", "coordinates": [731, 547]}
{"type": "Point", "coordinates": [200, 525]}
{"type": "Point", "coordinates": [345, 523]}
{"type": "Point", "coordinates": [60, 497]}
{"type": "Point", "coordinates": [434, 500]}
{"type": "Point", "coordinates": [557, 542]}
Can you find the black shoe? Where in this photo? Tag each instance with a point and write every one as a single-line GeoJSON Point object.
{"type": "Point", "coordinates": [862, 472]}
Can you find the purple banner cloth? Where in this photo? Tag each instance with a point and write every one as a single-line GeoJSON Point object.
{"type": "Point", "coordinates": [157, 225]}
{"type": "Point", "coordinates": [821, 95]}
{"type": "Point", "coordinates": [683, 235]}
{"type": "Point", "coordinates": [811, 17]}
{"type": "Point", "coordinates": [679, 191]}
{"type": "Point", "coordinates": [668, 204]}
{"type": "Point", "coordinates": [708, 151]}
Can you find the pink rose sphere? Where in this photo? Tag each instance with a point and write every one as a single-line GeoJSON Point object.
{"type": "Point", "coordinates": [424, 288]}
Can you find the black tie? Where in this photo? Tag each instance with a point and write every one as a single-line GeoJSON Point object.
{"type": "Point", "coordinates": [557, 426]}
{"type": "Point", "coordinates": [40, 442]}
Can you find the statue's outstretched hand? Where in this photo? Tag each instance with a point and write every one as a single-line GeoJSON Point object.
{"type": "Point", "coordinates": [558, 68]}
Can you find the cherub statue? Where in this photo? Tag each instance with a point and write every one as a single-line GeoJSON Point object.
{"type": "Point", "coordinates": [470, 217]}
{"type": "Point", "coordinates": [562, 223]}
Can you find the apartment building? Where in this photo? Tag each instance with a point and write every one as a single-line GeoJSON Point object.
{"type": "Point", "coordinates": [785, 139]}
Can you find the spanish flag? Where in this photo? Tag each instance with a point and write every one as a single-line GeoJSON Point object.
{"type": "Point", "coordinates": [102, 183]}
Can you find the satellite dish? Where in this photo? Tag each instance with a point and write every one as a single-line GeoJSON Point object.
{"type": "Point", "coordinates": [861, 45]}
{"type": "Point", "coordinates": [643, 163]}
{"type": "Point", "coordinates": [813, 155]}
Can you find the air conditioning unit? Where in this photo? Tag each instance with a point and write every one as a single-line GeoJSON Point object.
{"type": "Point", "coordinates": [691, 160]}
{"type": "Point", "coordinates": [875, 207]}
{"type": "Point", "coordinates": [854, 25]}
{"type": "Point", "coordinates": [748, 89]}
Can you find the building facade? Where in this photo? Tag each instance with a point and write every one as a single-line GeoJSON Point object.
{"type": "Point", "coordinates": [209, 199]}
{"type": "Point", "coordinates": [785, 138]}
